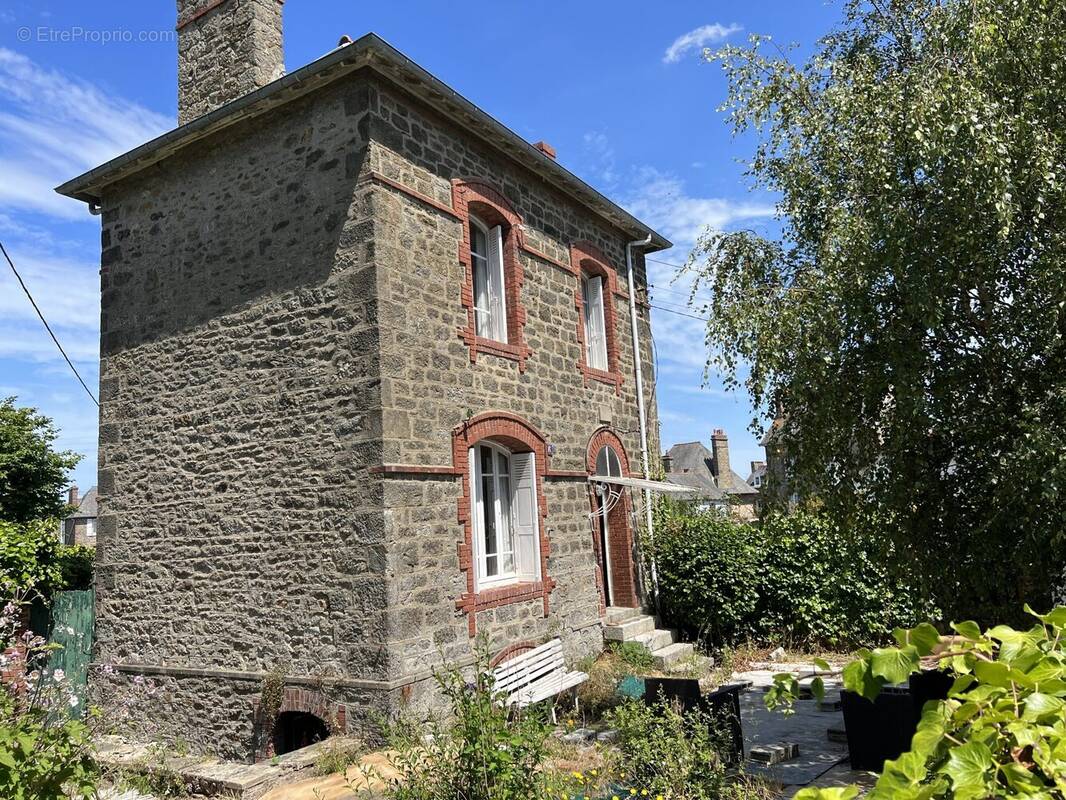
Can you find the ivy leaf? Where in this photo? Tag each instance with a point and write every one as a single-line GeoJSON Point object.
{"type": "Point", "coordinates": [969, 629]}
{"type": "Point", "coordinates": [993, 673]}
{"type": "Point", "coordinates": [925, 637]}
{"type": "Point", "coordinates": [969, 766]}
{"type": "Point", "coordinates": [894, 664]}
{"type": "Point", "coordinates": [859, 679]}
{"type": "Point", "coordinates": [1039, 705]}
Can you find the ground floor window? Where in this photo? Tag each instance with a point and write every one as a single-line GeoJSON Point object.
{"type": "Point", "coordinates": [504, 513]}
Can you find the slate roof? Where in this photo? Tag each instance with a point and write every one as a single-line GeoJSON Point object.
{"type": "Point", "coordinates": [86, 506]}
{"type": "Point", "coordinates": [693, 466]}
{"type": "Point", "coordinates": [758, 472]}
{"type": "Point", "coordinates": [373, 53]}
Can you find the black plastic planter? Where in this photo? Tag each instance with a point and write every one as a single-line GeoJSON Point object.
{"type": "Point", "coordinates": [723, 705]}
{"type": "Point", "coordinates": [883, 729]}
{"type": "Point", "coordinates": [880, 730]}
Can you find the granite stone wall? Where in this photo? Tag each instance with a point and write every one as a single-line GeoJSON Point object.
{"type": "Point", "coordinates": [240, 529]}
{"type": "Point", "coordinates": [430, 385]}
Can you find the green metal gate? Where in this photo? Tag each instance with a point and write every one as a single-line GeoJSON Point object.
{"type": "Point", "coordinates": [72, 629]}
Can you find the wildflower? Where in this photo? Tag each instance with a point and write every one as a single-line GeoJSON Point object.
{"type": "Point", "coordinates": [73, 701]}
{"type": "Point", "coordinates": [58, 674]}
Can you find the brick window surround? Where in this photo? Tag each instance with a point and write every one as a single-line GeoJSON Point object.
{"type": "Point", "coordinates": [623, 578]}
{"type": "Point", "coordinates": [518, 436]}
{"type": "Point", "coordinates": [297, 699]}
{"type": "Point", "coordinates": [586, 260]}
{"type": "Point", "coordinates": [479, 198]}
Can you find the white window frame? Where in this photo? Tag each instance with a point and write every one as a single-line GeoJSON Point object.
{"type": "Point", "coordinates": [506, 526]}
{"type": "Point", "coordinates": [490, 305]}
{"type": "Point", "coordinates": [595, 321]}
{"type": "Point", "coordinates": [90, 528]}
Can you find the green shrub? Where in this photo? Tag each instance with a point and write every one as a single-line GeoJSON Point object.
{"type": "Point", "coordinates": [483, 752]}
{"type": "Point", "coordinates": [75, 566]}
{"type": "Point", "coordinates": [708, 569]}
{"type": "Point", "coordinates": [799, 579]}
{"type": "Point", "coordinates": [663, 752]}
{"type": "Point", "coordinates": [29, 557]}
{"type": "Point", "coordinates": [634, 655]}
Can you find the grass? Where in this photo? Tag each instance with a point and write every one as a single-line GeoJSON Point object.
{"type": "Point", "coordinates": [338, 755]}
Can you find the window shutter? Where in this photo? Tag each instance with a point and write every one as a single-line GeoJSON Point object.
{"type": "Point", "coordinates": [595, 329]}
{"type": "Point", "coordinates": [497, 302]}
{"type": "Point", "coordinates": [525, 518]}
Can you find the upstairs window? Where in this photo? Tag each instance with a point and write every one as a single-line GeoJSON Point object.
{"type": "Point", "coordinates": [490, 302]}
{"type": "Point", "coordinates": [504, 506]}
{"type": "Point", "coordinates": [595, 322]}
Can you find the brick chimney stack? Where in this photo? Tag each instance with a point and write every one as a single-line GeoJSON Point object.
{"type": "Point", "coordinates": [226, 49]}
{"type": "Point", "coordinates": [723, 473]}
{"type": "Point", "coordinates": [72, 495]}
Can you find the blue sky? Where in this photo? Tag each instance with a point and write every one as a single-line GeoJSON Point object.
{"type": "Point", "coordinates": [618, 88]}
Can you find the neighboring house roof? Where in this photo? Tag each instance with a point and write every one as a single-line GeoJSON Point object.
{"type": "Point", "coordinates": [86, 506]}
{"type": "Point", "coordinates": [758, 472]}
{"type": "Point", "coordinates": [693, 466]}
{"type": "Point", "coordinates": [368, 52]}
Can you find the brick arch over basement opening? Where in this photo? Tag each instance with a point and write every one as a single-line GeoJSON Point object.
{"type": "Point", "coordinates": [480, 198]}
{"type": "Point", "coordinates": [519, 436]}
{"type": "Point", "coordinates": [620, 528]}
{"type": "Point", "coordinates": [293, 699]}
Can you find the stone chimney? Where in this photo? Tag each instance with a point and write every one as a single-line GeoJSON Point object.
{"type": "Point", "coordinates": [668, 463]}
{"type": "Point", "coordinates": [226, 49]}
{"type": "Point", "coordinates": [720, 459]}
{"type": "Point", "coordinates": [72, 495]}
{"type": "Point", "coordinates": [757, 465]}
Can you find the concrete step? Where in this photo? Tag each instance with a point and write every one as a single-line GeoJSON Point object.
{"type": "Point", "coordinates": [693, 665]}
{"type": "Point", "coordinates": [671, 654]}
{"type": "Point", "coordinates": [629, 630]}
{"type": "Point", "coordinates": [616, 615]}
{"type": "Point", "coordinates": [656, 640]}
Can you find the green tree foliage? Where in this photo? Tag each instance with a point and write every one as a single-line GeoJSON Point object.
{"type": "Point", "coordinates": [29, 559]}
{"type": "Point", "coordinates": [1001, 732]}
{"type": "Point", "coordinates": [910, 318]}
{"type": "Point", "coordinates": [32, 474]}
{"type": "Point", "coordinates": [800, 579]}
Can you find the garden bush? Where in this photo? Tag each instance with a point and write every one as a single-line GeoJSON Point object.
{"type": "Point", "coordinates": [800, 579]}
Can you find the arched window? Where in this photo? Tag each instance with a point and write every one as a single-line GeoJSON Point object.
{"type": "Point", "coordinates": [608, 463]}
{"type": "Point", "coordinates": [598, 319]}
{"type": "Point", "coordinates": [490, 300]}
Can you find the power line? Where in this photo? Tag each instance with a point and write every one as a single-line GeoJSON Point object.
{"type": "Point", "coordinates": [47, 327]}
{"type": "Point", "coordinates": [679, 313]}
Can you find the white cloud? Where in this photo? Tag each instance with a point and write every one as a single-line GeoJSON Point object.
{"type": "Point", "coordinates": [55, 126]}
{"type": "Point", "coordinates": [700, 37]}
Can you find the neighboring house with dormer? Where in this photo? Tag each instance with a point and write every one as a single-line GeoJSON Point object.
{"type": "Point", "coordinates": [368, 361]}
{"type": "Point", "coordinates": [710, 475]}
{"type": "Point", "coordinates": [79, 527]}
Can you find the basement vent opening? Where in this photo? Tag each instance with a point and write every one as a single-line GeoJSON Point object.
{"type": "Point", "coordinates": [296, 729]}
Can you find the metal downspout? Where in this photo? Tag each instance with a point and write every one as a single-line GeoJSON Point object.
{"type": "Point", "coordinates": [638, 368]}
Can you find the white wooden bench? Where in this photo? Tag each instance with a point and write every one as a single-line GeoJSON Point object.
{"type": "Point", "coordinates": [536, 675]}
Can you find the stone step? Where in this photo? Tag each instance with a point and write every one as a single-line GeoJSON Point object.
{"type": "Point", "coordinates": [695, 664]}
{"type": "Point", "coordinates": [616, 615]}
{"type": "Point", "coordinates": [671, 654]}
{"type": "Point", "coordinates": [656, 640]}
{"type": "Point", "coordinates": [629, 630]}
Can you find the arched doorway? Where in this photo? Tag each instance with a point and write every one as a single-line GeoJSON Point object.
{"type": "Point", "coordinates": [612, 529]}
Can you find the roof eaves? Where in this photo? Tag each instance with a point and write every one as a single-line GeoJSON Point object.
{"type": "Point", "coordinates": [374, 52]}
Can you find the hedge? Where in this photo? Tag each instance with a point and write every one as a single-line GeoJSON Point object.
{"type": "Point", "coordinates": [799, 579]}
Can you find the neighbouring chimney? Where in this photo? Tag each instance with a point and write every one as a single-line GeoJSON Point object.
{"type": "Point", "coordinates": [72, 495]}
{"type": "Point", "coordinates": [226, 49]}
{"type": "Point", "coordinates": [545, 148]}
{"type": "Point", "coordinates": [720, 459]}
{"type": "Point", "coordinates": [757, 465]}
{"type": "Point", "coordinates": [668, 463]}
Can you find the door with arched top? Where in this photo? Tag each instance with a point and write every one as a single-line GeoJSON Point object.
{"type": "Point", "coordinates": [612, 527]}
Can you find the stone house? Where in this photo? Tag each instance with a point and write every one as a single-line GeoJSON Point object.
{"type": "Point", "coordinates": [362, 348]}
{"type": "Point", "coordinates": [711, 477]}
{"type": "Point", "coordinates": [79, 526]}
